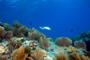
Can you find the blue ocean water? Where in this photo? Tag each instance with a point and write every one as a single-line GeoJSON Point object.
{"type": "Point", "coordinates": [65, 17]}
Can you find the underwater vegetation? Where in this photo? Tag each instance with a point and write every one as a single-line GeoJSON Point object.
{"type": "Point", "coordinates": [17, 42]}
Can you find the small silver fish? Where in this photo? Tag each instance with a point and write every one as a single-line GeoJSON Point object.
{"type": "Point", "coordinates": [45, 28]}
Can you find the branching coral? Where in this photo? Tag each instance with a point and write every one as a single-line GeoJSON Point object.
{"type": "Point", "coordinates": [80, 44]}
{"type": "Point", "coordinates": [61, 56]}
{"type": "Point", "coordinates": [18, 33]}
{"type": "Point", "coordinates": [44, 43]}
{"type": "Point", "coordinates": [35, 35]}
{"type": "Point", "coordinates": [21, 30]}
{"type": "Point", "coordinates": [38, 54]}
{"type": "Point", "coordinates": [19, 54]}
{"type": "Point", "coordinates": [16, 24]}
{"type": "Point", "coordinates": [62, 41]}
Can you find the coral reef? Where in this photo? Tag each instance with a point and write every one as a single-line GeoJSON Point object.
{"type": "Point", "coordinates": [62, 41]}
{"type": "Point", "coordinates": [84, 36]}
{"type": "Point", "coordinates": [17, 42]}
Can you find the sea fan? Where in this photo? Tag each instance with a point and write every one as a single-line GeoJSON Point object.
{"type": "Point", "coordinates": [80, 44]}
{"type": "Point", "coordinates": [62, 41]}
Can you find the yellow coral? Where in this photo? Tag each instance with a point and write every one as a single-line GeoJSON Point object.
{"type": "Point", "coordinates": [61, 56]}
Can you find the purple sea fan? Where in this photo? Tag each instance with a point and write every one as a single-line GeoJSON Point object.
{"type": "Point", "coordinates": [80, 44]}
{"type": "Point", "coordinates": [62, 41]}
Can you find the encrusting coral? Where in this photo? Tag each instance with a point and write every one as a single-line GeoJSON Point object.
{"type": "Point", "coordinates": [62, 41]}
{"type": "Point", "coordinates": [60, 56]}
